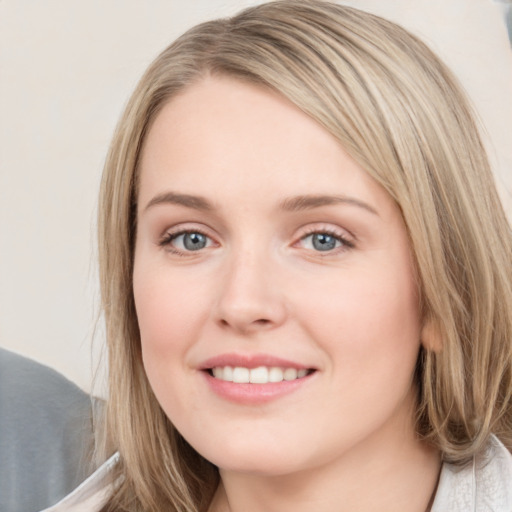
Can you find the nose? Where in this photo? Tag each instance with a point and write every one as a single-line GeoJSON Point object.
{"type": "Point", "coordinates": [251, 298]}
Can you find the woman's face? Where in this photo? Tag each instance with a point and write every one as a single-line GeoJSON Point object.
{"type": "Point", "coordinates": [274, 286]}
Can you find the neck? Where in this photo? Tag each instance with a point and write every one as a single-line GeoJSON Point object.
{"type": "Point", "coordinates": [400, 475]}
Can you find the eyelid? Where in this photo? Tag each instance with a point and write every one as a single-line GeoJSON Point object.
{"type": "Point", "coordinates": [348, 241]}
{"type": "Point", "coordinates": [170, 234]}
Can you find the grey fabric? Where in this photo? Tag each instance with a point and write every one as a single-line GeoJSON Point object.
{"type": "Point", "coordinates": [45, 434]}
{"type": "Point", "coordinates": [506, 9]}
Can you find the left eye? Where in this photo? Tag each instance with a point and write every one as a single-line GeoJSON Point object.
{"type": "Point", "coordinates": [321, 242]}
{"type": "Point", "coordinates": [190, 241]}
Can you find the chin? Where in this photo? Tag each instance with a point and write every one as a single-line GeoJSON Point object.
{"type": "Point", "coordinates": [250, 458]}
{"type": "Point", "coordinates": [265, 467]}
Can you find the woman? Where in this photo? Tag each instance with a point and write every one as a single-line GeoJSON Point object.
{"type": "Point", "coordinates": [306, 277]}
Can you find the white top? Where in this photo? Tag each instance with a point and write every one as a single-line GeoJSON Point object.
{"type": "Point", "coordinates": [483, 486]}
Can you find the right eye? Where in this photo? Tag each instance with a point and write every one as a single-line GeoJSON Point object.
{"type": "Point", "coordinates": [186, 241]}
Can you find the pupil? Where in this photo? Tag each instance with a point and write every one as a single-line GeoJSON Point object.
{"type": "Point", "coordinates": [194, 241]}
{"type": "Point", "coordinates": [323, 242]}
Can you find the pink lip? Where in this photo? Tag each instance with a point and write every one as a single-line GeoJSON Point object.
{"type": "Point", "coordinates": [252, 394]}
{"type": "Point", "coordinates": [250, 361]}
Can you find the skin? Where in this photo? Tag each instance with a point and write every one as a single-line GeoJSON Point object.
{"type": "Point", "coordinates": [345, 438]}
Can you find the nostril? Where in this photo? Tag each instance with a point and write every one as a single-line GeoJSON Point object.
{"type": "Point", "coordinates": [260, 322]}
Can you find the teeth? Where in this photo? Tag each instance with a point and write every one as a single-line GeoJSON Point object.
{"type": "Point", "coordinates": [260, 375]}
{"type": "Point", "coordinates": [227, 374]}
{"type": "Point", "coordinates": [275, 375]}
{"type": "Point", "coordinates": [290, 374]}
{"type": "Point", "coordinates": [218, 372]}
{"type": "Point", "coordinates": [241, 375]}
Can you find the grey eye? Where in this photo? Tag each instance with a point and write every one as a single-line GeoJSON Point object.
{"type": "Point", "coordinates": [321, 242]}
{"type": "Point", "coordinates": [192, 241]}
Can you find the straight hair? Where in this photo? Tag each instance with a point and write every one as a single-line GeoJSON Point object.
{"type": "Point", "coordinates": [397, 111]}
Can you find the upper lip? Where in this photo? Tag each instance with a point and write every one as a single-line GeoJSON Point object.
{"type": "Point", "coordinates": [250, 361]}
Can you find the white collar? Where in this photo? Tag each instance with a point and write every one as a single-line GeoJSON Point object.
{"type": "Point", "coordinates": [483, 485]}
{"type": "Point", "coordinates": [92, 493]}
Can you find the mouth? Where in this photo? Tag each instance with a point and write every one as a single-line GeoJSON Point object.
{"type": "Point", "coordinates": [252, 379]}
{"type": "Point", "coordinates": [258, 375]}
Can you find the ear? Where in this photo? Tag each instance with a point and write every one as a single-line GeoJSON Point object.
{"type": "Point", "coordinates": [430, 336]}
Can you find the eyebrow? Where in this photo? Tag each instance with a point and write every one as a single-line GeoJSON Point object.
{"type": "Point", "coordinates": [308, 202]}
{"type": "Point", "coordinates": [292, 204]}
{"type": "Point", "coordinates": [190, 201]}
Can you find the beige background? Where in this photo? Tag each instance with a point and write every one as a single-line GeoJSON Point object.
{"type": "Point", "coordinates": [67, 68]}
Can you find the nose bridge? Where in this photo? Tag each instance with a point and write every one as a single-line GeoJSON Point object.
{"type": "Point", "coordinates": [249, 298]}
{"type": "Point", "coordinates": [249, 264]}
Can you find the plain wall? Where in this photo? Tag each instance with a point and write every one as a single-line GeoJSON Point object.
{"type": "Point", "coordinates": [67, 68]}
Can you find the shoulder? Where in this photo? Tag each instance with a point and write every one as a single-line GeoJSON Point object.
{"type": "Point", "coordinates": [27, 381]}
{"type": "Point", "coordinates": [35, 399]}
{"type": "Point", "coordinates": [484, 485]}
{"type": "Point", "coordinates": [45, 434]}
{"type": "Point", "coordinates": [92, 494]}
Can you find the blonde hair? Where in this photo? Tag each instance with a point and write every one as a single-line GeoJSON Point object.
{"type": "Point", "coordinates": [399, 112]}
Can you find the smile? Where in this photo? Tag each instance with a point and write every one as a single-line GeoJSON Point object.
{"type": "Point", "coordinates": [259, 375]}
{"type": "Point", "coordinates": [252, 379]}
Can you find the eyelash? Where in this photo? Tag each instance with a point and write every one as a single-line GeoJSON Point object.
{"type": "Point", "coordinates": [167, 239]}
{"type": "Point", "coordinates": [345, 243]}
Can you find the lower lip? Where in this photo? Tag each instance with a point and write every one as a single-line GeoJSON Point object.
{"type": "Point", "coordinates": [254, 393]}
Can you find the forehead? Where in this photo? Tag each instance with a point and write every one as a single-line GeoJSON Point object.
{"type": "Point", "coordinates": [219, 110]}
{"type": "Point", "coordinates": [227, 138]}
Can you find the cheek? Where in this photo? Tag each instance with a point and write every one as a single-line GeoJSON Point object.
{"type": "Point", "coordinates": [156, 306]}
{"type": "Point", "coordinates": [167, 318]}
{"type": "Point", "coordinates": [368, 320]}
{"type": "Point", "coordinates": [172, 309]}
{"type": "Point", "coordinates": [169, 309]}
{"type": "Point", "coordinates": [371, 334]}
